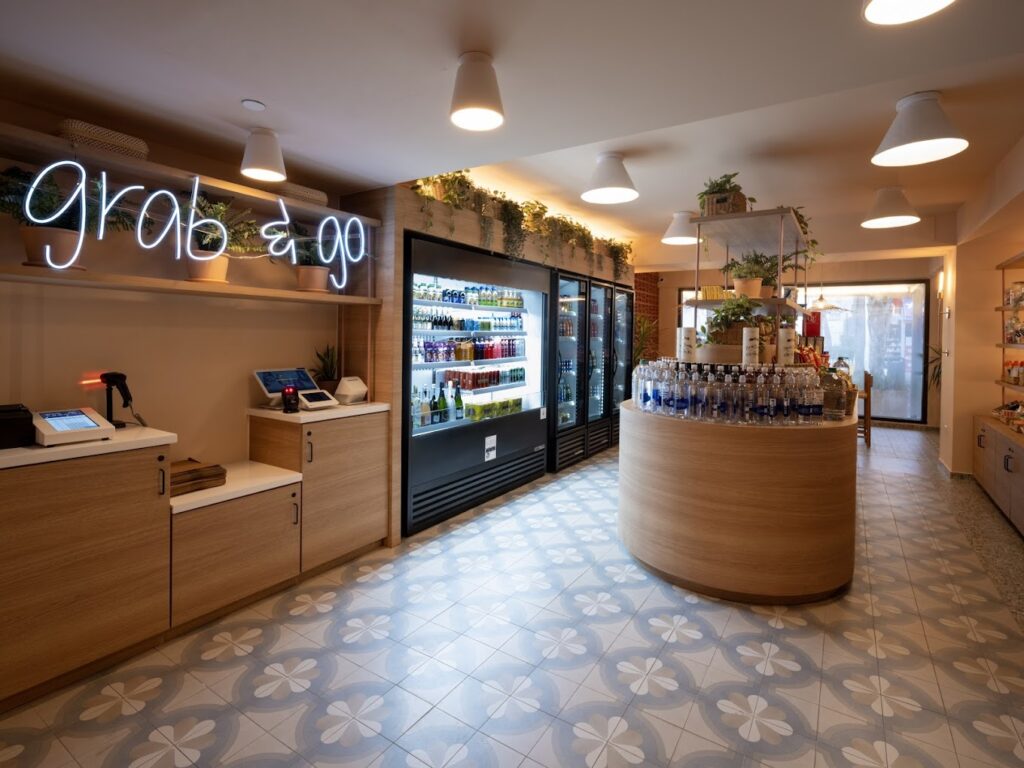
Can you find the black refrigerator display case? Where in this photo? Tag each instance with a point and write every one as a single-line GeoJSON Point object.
{"type": "Point", "coordinates": [479, 321]}
{"type": "Point", "coordinates": [591, 342]}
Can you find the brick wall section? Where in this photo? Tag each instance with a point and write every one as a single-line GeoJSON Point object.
{"type": "Point", "coordinates": [646, 305]}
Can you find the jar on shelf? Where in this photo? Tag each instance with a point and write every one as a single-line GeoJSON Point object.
{"type": "Point", "coordinates": [834, 396]}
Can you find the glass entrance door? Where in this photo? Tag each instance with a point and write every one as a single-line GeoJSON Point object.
{"type": "Point", "coordinates": [622, 349]}
{"type": "Point", "coordinates": [599, 351]}
{"type": "Point", "coordinates": [570, 349]}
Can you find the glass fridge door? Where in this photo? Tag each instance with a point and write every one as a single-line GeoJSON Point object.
{"type": "Point", "coordinates": [622, 351]}
{"type": "Point", "coordinates": [570, 364]}
{"type": "Point", "coordinates": [477, 353]}
{"type": "Point", "coordinates": [599, 353]}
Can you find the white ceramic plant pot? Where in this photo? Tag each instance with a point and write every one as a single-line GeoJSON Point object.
{"type": "Point", "coordinates": [208, 270]}
{"type": "Point", "coordinates": [747, 286]}
{"type": "Point", "coordinates": [313, 279]}
{"type": "Point", "coordinates": [62, 244]}
{"type": "Point", "coordinates": [720, 354]}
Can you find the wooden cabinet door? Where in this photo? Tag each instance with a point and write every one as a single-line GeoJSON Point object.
{"type": "Point", "coordinates": [344, 486]}
{"type": "Point", "coordinates": [1006, 456]}
{"type": "Point", "coordinates": [226, 552]}
{"type": "Point", "coordinates": [84, 562]}
{"type": "Point", "coordinates": [984, 454]}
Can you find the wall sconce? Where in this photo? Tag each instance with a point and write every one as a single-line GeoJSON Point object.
{"type": "Point", "coordinates": [942, 283]}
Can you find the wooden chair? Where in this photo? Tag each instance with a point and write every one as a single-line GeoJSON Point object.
{"type": "Point", "coordinates": [864, 427]}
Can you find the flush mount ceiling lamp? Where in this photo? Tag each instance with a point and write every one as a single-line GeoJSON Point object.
{"type": "Point", "coordinates": [610, 183]}
{"type": "Point", "coordinates": [680, 231]}
{"type": "Point", "coordinates": [891, 210]}
{"type": "Point", "coordinates": [476, 100]}
{"type": "Point", "coordinates": [920, 133]}
{"type": "Point", "coordinates": [893, 12]}
{"type": "Point", "coordinates": [263, 160]}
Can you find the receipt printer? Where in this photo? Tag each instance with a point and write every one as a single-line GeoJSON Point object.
{"type": "Point", "coordinates": [16, 430]}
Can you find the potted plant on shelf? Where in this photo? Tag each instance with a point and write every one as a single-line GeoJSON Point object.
{"type": "Point", "coordinates": [326, 370]}
{"type": "Point", "coordinates": [723, 195]}
{"type": "Point", "coordinates": [749, 273]}
{"type": "Point", "coordinates": [312, 272]}
{"type": "Point", "coordinates": [721, 339]}
{"type": "Point", "coordinates": [62, 233]}
{"type": "Point", "coordinates": [243, 237]}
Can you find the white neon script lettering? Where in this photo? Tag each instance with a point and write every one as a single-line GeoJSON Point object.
{"type": "Point", "coordinates": [173, 222]}
{"type": "Point", "coordinates": [77, 196]}
{"type": "Point", "coordinates": [193, 225]}
{"type": "Point", "coordinates": [106, 206]}
{"type": "Point", "coordinates": [276, 231]}
{"type": "Point", "coordinates": [348, 255]}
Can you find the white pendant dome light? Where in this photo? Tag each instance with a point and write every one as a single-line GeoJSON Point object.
{"type": "Point", "coordinates": [891, 210]}
{"type": "Point", "coordinates": [920, 133]}
{"type": "Point", "coordinates": [680, 231]}
{"type": "Point", "coordinates": [263, 160]}
{"type": "Point", "coordinates": [892, 12]}
{"type": "Point", "coordinates": [610, 183]}
{"type": "Point", "coordinates": [476, 100]}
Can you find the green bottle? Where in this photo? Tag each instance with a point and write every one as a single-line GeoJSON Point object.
{"type": "Point", "coordinates": [459, 411]}
{"type": "Point", "coordinates": [442, 405]}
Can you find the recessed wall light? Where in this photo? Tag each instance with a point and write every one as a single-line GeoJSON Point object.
{"type": "Point", "coordinates": [253, 105]}
{"type": "Point", "coordinates": [920, 133]}
{"type": "Point", "coordinates": [263, 160]}
{"type": "Point", "coordinates": [476, 100]}
{"type": "Point", "coordinates": [891, 210]}
{"type": "Point", "coordinates": [610, 183]}
{"type": "Point", "coordinates": [680, 231]}
{"type": "Point", "coordinates": [892, 12]}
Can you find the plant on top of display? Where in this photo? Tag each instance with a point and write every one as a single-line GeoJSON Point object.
{"type": "Point", "coordinates": [619, 253]}
{"type": "Point", "coordinates": [734, 313]}
{"type": "Point", "coordinates": [723, 195]}
{"type": "Point", "coordinates": [750, 265]}
{"type": "Point", "coordinates": [47, 198]}
{"type": "Point", "coordinates": [243, 230]}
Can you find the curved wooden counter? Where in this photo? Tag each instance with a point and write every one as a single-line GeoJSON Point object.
{"type": "Point", "coordinates": [756, 514]}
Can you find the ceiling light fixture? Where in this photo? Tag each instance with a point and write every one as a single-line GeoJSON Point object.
{"type": "Point", "coordinates": [680, 231]}
{"type": "Point", "coordinates": [610, 183]}
{"type": "Point", "coordinates": [892, 12]}
{"type": "Point", "coordinates": [890, 210]}
{"type": "Point", "coordinates": [263, 160]}
{"type": "Point", "coordinates": [920, 133]}
{"type": "Point", "coordinates": [476, 100]}
{"type": "Point", "coordinates": [254, 105]}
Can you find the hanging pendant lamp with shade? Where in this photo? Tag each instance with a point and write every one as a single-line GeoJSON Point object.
{"type": "Point", "coordinates": [920, 133]}
{"type": "Point", "coordinates": [891, 209]}
{"type": "Point", "coordinates": [892, 12]}
{"type": "Point", "coordinates": [476, 100]}
{"type": "Point", "coordinates": [263, 159]}
{"type": "Point", "coordinates": [680, 231]}
{"type": "Point", "coordinates": [610, 183]}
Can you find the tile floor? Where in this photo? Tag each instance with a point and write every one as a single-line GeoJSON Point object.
{"type": "Point", "coordinates": [521, 634]}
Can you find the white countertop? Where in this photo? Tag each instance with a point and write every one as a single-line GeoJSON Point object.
{"type": "Point", "coordinates": [322, 414]}
{"type": "Point", "coordinates": [244, 478]}
{"type": "Point", "coordinates": [128, 439]}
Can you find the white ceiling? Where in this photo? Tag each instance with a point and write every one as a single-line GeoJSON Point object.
{"type": "Point", "coordinates": [359, 89]}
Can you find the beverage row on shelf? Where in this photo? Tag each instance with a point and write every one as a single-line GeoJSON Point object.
{"type": "Point", "coordinates": [1014, 295]}
{"type": "Point", "coordinates": [741, 395]}
{"type": "Point", "coordinates": [471, 295]}
{"type": "Point", "coordinates": [567, 329]}
{"type": "Point", "coordinates": [566, 326]}
{"type": "Point", "coordinates": [1013, 372]}
{"type": "Point", "coordinates": [450, 350]}
{"type": "Point", "coordinates": [479, 378]}
{"type": "Point", "coordinates": [1013, 330]}
{"type": "Point", "coordinates": [442, 404]}
{"type": "Point", "coordinates": [428, 320]}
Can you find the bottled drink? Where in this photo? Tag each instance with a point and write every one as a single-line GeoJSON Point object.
{"type": "Point", "coordinates": [682, 395]}
{"type": "Point", "coordinates": [442, 406]}
{"type": "Point", "coordinates": [414, 410]}
{"type": "Point", "coordinates": [435, 415]}
{"type": "Point", "coordinates": [459, 410]}
{"type": "Point", "coordinates": [792, 398]}
{"type": "Point", "coordinates": [761, 399]}
{"type": "Point", "coordinates": [668, 398]}
{"type": "Point", "coordinates": [713, 390]}
{"type": "Point", "coordinates": [834, 396]}
{"type": "Point", "coordinates": [696, 396]}
{"type": "Point", "coordinates": [817, 400]}
{"type": "Point", "coordinates": [776, 398]}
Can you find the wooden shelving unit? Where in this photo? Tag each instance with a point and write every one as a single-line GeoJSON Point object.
{"type": "Point", "coordinates": [1014, 262]}
{"type": "Point", "coordinates": [1008, 385]}
{"type": "Point", "coordinates": [774, 304]}
{"type": "Point", "coordinates": [79, 278]}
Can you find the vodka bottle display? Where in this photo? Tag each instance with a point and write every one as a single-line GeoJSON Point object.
{"type": "Point", "coordinates": [762, 395]}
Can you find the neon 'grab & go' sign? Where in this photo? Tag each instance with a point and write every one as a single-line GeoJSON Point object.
{"type": "Point", "coordinates": [333, 239]}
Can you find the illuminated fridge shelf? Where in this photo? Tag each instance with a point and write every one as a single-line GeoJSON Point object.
{"type": "Point", "coordinates": [461, 363]}
{"type": "Point", "coordinates": [495, 388]}
{"type": "Point", "coordinates": [454, 333]}
{"type": "Point", "coordinates": [472, 307]}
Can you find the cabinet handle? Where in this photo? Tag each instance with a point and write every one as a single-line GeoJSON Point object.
{"type": "Point", "coordinates": [981, 441]}
{"type": "Point", "coordinates": [295, 513]}
{"type": "Point", "coordinates": [1006, 463]}
{"type": "Point", "coordinates": [162, 487]}
{"type": "Point", "coordinates": [309, 451]}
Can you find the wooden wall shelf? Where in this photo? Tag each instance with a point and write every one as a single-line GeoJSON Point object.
{"type": "Point", "coordinates": [85, 279]}
{"type": "Point", "coordinates": [26, 146]}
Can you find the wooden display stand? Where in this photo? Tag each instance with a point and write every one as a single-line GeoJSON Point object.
{"type": "Point", "coordinates": [757, 514]}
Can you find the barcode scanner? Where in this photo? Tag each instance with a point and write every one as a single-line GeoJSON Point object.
{"type": "Point", "coordinates": [115, 379]}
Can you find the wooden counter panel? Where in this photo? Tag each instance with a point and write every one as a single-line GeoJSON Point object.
{"type": "Point", "coordinates": [756, 513]}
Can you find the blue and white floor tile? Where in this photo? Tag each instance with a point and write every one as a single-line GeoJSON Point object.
{"type": "Point", "coordinates": [522, 634]}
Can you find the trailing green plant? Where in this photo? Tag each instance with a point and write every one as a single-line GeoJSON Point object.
{"type": "Point", "coordinates": [47, 198]}
{"type": "Point", "coordinates": [723, 185]}
{"type": "Point", "coordinates": [738, 311]}
{"type": "Point", "coordinates": [326, 368]}
{"type": "Point", "coordinates": [644, 331]}
{"type": "Point", "coordinates": [619, 253]}
{"type": "Point", "coordinates": [510, 214]}
{"type": "Point", "coordinates": [534, 214]}
{"type": "Point", "coordinates": [757, 264]}
{"type": "Point", "coordinates": [243, 231]}
{"type": "Point", "coordinates": [804, 222]}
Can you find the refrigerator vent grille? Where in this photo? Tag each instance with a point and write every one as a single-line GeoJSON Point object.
{"type": "Point", "coordinates": [429, 507]}
{"type": "Point", "coordinates": [615, 428]}
{"type": "Point", "coordinates": [571, 448]}
{"type": "Point", "coordinates": [599, 436]}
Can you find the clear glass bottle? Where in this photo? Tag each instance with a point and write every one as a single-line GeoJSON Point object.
{"type": "Point", "coordinates": [834, 396]}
